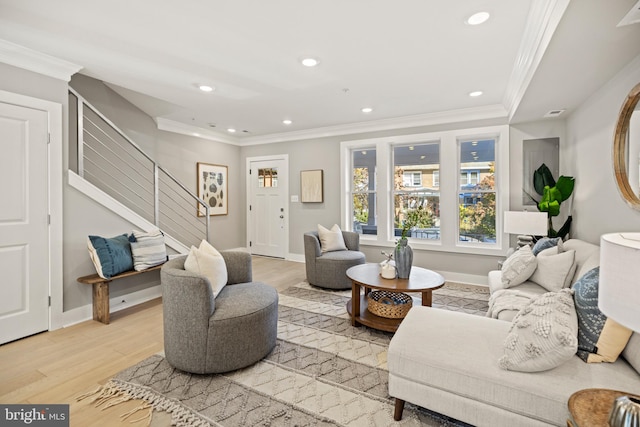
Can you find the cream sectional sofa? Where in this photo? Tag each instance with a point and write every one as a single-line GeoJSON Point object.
{"type": "Point", "coordinates": [447, 362]}
{"type": "Point", "coordinates": [587, 257]}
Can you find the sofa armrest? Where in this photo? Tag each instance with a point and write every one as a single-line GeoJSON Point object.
{"type": "Point", "coordinates": [239, 269]}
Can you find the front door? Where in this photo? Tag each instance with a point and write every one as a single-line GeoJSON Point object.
{"type": "Point", "coordinates": [24, 230]}
{"type": "Point", "coordinates": [268, 207]}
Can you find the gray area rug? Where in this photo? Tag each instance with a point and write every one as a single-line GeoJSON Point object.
{"type": "Point", "coordinates": [322, 372]}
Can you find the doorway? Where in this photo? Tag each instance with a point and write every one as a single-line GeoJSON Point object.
{"type": "Point", "coordinates": [268, 207]}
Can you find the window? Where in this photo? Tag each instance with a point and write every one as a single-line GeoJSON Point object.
{"type": "Point", "coordinates": [452, 184]}
{"type": "Point", "coordinates": [412, 179]}
{"type": "Point", "coordinates": [477, 194]}
{"type": "Point", "coordinates": [411, 201]}
{"type": "Point", "coordinates": [363, 191]}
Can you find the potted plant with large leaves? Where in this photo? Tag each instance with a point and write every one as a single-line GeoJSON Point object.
{"type": "Point", "coordinates": [553, 194]}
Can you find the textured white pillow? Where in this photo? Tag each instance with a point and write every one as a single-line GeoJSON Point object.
{"type": "Point", "coordinates": [555, 270]}
{"type": "Point", "coordinates": [543, 335]}
{"type": "Point", "coordinates": [331, 240]}
{"type": "Point", "coordinates": [207, 261]}
{"type": "Point", "coordinates": [518, 267]}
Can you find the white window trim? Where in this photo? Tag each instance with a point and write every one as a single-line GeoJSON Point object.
{"type": "Point", "coordinates": [449, 185]}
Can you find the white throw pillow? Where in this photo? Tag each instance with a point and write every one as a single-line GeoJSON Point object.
{"type": "Point", "coordinates": [331, 240]}
{"type": "Point", "coordinates": [518, 267]}
{"type": "Point", "coordinates": [555, 270]}
{"type": "Point", "coordinates": [208, 262]}
{"type": "Point", "coordinates": [543, 335]}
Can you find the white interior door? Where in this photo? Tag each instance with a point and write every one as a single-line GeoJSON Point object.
{"type": "Point", "coordinates": [268, 207]}
{"type": "Point", "coordinates": [24, 233]}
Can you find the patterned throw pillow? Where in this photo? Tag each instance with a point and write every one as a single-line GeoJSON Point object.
{"type": "Point", "coordinates": [110, 256]}
{"type": "Point", "coordinates": [148, 249]}
{"type": "Point", "coordinates": [600, 339]}
{"type": "Point", "coordinates": [518, 267]}
{"type": "Point", "coordinates": [542, 335]}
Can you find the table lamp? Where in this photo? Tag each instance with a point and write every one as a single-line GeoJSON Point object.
{"type": "Point", "coordinates": [525, 225]}
{"type": "Point", "coordinates": [619, 299]}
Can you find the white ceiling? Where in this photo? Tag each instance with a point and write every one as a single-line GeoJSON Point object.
{"type": "Point", "coordinates": [410, 60]}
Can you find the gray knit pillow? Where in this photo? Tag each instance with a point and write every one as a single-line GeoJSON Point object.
{"type": "Point", "coordinates": [543, 335]}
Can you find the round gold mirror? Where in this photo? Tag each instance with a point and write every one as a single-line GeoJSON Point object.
{"type": "Point", "coordinates": [626, 149]}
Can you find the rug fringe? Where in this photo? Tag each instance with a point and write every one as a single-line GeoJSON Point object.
{"type": "Point", "coordinates": [109, 395]}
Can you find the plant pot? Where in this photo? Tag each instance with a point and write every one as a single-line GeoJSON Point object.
{"type": "Point", "coordinates": [403, 254]}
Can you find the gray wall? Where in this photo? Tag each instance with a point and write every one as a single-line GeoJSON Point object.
{"type": "Point", "coordinates": [324, 154]}
{"type": "Point", "coordinates": [598, 206]}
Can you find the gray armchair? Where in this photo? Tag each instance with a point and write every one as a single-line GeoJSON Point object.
{"type": "Point", "coordinates": [328, 270]}
{"type": "Point", "coordinates": [207, 335]}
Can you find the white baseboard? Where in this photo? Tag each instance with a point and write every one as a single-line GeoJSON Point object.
{"type": "Point", "coordinates": [469, 279]}
{"type": "Point", "coordinates": [85, 312]}
{"type": "Point", "coordinates": [295, 257]}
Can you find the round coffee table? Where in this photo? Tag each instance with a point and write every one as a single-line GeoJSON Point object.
{"type": "Point", "coordinates": [367, 276]}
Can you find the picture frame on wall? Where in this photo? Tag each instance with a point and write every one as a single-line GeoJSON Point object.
{"type": "Point", "coordinates": [213, 188]}
{"type": "Point", "coordinates": [311, 186]}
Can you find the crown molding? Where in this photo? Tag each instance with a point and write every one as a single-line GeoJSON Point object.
{"type": "Point", "coordinates": [543, 20]}
{"type": "Point", "coordinates": [29, 59]}
{"type": "Point", "coordinates": [443, 117]}
{"type": "Point", "coordinates": [195, 131]}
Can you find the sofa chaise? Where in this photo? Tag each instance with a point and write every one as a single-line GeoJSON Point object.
{"type": "Point", "coordinates": [447, 362]}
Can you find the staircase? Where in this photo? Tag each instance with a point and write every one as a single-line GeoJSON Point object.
{"type": "Point", "coordinates": [109, 167]}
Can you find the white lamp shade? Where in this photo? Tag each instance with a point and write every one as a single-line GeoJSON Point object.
{"type": "Point", "coordinates": [527, 223]}
{"type": "Point", "coordinates": [619, 287]}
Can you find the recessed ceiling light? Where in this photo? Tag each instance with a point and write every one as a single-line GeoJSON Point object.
{"type": "Point", "coordinates": [422, 157]}
{"type": "Point", "coordinates": [474, 143]}
{"type": "Point", "coordinates": [478, 18]}
{"type": "Point", "coordinates": [411, 148]}
{"type": "Point", "coordinates": [367, 110]}
{"type": "Point", "coordinates": [231, 130]}
{"type": "Point", "coordinates": [475, 93]}
{"type": "Point", "coordinates": [287, 121]}
{"type": "Point", "coordinates": [310, 62]}
{"type": "Point", "coordinates": [205, 88]}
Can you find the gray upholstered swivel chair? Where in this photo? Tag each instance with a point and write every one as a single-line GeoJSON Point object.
{"type": "Point", "coordinates": [328, 270]}
{"type": "Point", "coordinates": [206, 335]}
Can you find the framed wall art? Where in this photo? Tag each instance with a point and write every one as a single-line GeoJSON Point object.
{"type": "Point", "coordinates": [311, 189]}
{"type": "Point", "coordinates": [212, 188]}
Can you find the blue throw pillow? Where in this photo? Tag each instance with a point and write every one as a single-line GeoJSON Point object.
{"type": "Point", "coordinates": [110, 256]}
{"type": "Point", "coordinates": [544, 243]}
{"type": "Point", "coordinates": [600, 339]}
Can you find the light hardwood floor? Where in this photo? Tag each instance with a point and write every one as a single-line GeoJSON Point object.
{"type": "Point", "coordinates": [56, 367]}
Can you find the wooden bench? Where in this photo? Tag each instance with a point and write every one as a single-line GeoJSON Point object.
{"type": "Point", "coordinates": [101, 291]}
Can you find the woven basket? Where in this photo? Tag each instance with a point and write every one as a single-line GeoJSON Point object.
{"type": "Point", "coordinates": [392, 305]}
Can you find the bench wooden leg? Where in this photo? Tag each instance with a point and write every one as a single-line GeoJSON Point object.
{"type": "Point", "coordinates": [397, 413]}
{"type": "Point", "coordinates": [101, 302]}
